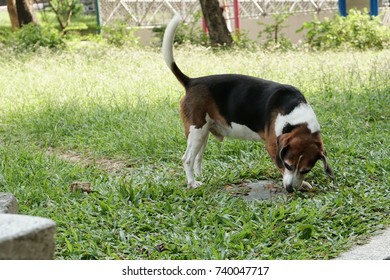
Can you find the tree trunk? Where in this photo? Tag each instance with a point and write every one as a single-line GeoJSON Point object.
{"type": "Point", "coordinates": [25, 12]}
{"type": "Point", "coordinates": [21, 12]}
{"type": "Point", "coordinates": [13, 15]}
{"type": "Point", "coordinates": [218, 32]}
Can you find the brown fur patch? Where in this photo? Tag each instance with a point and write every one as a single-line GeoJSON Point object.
{"type": "Point", "coordinates": [195, 105]}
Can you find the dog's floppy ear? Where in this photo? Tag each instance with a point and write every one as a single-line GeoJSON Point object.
{"type": "Point", "coordinates": [327, 169]}
{"type": "Point", "coordinates": [282, 147]}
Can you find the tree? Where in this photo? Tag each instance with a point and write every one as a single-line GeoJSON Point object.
{"type": "Point", "coordinates": [21, 12]}
{"type": "Point", "coordinates": [13, 15]}
{"type": "Point", "coordinates": [272, 31]}
{"type": "Point", "coordinates": [218, 32]}
{"type": "Point", "coordinates": [64, 10]}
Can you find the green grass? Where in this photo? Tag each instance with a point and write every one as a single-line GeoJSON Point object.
{"type": "Point", "coordinates": [122, 105]}
{"type": "Point", "coordinates": [5, 24]}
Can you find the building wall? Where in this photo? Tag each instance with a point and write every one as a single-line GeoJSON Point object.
{"type": "Point", "coordinates": [358, 4]}
{"type": "Point", "coordinates": [293, 23]}
{"type": "Point", "coordinates": [252, 28]}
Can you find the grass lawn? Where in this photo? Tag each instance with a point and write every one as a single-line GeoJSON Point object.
{"type": "Point", "coordinates": [110, 117]}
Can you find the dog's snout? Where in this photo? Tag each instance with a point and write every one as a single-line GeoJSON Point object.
{"type": "Point", "coordinates": [289, 188]}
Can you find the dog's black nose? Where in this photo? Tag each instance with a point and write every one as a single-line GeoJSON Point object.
{"type": "Point", "coordinates": [289, 188]}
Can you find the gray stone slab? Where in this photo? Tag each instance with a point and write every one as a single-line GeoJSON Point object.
{"type": "Point", "coordinates": [26, 237]}
{"type": "Point", "coordinates": [8, 203]}
{"type": "Point", "coordinates": [377, 248]}
{"type": "Point", "coordinates": [264, 190]}
{"type": "Point", "coordinates": [259, 190]}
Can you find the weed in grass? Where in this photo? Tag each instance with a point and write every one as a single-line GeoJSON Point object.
{"type": "Point", "coordinates": [122, 106]}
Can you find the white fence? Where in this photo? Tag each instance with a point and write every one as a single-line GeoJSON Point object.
{"type": "Point", "coordinates": [159, 12]}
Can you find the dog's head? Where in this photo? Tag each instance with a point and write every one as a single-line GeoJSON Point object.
{"type": "Point", "coordinates": [298, 150]}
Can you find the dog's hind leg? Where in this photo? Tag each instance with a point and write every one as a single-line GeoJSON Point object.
{"type": "Point", "coordinates": [196, 143]}
{"type": "Point", "coordinates": [199, 158]}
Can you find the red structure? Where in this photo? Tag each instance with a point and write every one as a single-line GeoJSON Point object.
{"type": "Point", "coordinates": [236, 7]}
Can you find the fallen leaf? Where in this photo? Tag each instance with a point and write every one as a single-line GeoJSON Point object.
{"type": "Point", "coordinates": [81, 186]}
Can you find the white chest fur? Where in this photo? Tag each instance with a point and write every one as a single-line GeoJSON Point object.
{"type": "Point", "coordinates": [235, 130]}
{"type": "Point", "coordinates": [240, 131]}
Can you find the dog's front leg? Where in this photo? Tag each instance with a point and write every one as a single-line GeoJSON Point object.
{"type": "Point", "coordinates": [305, 187]}
{"type": "Point", "coordinates": [196, 144]}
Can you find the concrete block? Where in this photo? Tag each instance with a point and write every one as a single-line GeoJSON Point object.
{"type": "Point", "coordinates": [26, 237]}
{"type": "Point", "coordinates": [377, 248]}
{"type": "Point", "coordinates": [8, 204]}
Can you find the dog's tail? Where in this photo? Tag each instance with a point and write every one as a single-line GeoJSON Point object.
{"type": "Point", "coordinates": [167, 50]}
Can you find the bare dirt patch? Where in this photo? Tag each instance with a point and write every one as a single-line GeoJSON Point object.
{"type": "Point", "coordinates": [109, 165]}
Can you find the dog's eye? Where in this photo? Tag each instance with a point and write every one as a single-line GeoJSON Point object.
{"type": "Point", "coordinates": [288, 167]}
{"type": "Point", "coordinates": [305, 171]}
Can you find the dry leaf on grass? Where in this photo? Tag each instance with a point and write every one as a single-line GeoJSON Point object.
{"type": "Point", "coordinates": [81, 186]}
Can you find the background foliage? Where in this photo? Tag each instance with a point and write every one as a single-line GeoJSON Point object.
{"type": "Point", "coordinates": [357, 31]}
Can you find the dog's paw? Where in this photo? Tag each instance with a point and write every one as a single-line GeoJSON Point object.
{"type": "Point", "coordinates": [194, 185]}
{"type": "Point", "coordinates": [306, 187]}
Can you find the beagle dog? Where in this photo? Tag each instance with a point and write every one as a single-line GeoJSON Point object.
{"type": "Point", "coordinates": [248, 108]}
